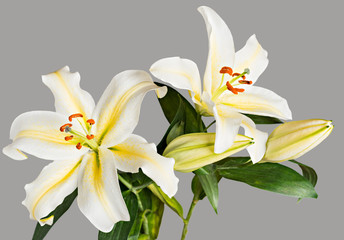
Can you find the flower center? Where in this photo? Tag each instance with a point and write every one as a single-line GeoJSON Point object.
{"type": "Point", "coordinates": [228, 86]}
{"type": "Point", "coordinates": [82, 139]}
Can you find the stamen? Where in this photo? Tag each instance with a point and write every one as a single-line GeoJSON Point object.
{"type": "Point", "coordinates": [63, 127]}
{"type": "Point", "coordinates": [69, 137]}
{"type": "Point", "coordinates": [234, 90]}
{"type": "Point", "coordinates": [245, 82]}
{"type": "Point", "coordinates": [238, 74]}
{"type": "Point", "coordinates": [225, 70]}
{"type": "Point", "coordinates": [70, 118]}
{"type": "Point", "coordinates": [78, 146]}
{"type": "Point", "coordinates": [91, 121]}
{"type": "Point", "coordinates": [89, 137]}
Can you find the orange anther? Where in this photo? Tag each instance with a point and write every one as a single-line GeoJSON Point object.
{"type": "Point", "coordinates": [63, 127]}
{"type": "Point", "coordinates": [235, 74]}
{"type": "Point", "coordinates": [70, 118]}
{"type": "Point", "coordinates": [69, 137]}
{"type": "Point", "coordinates": [245, 82]}
{"type": "Point", "coordinates": [78, 146]}
{"type": "Point", "coordinates": [226, 70]}
{"type": "Point", "coordinates": [89, 137]}
{"type": "Point", "coordinates": [234, 90]}
{"type": "Point", "coordinates": [91, 121]}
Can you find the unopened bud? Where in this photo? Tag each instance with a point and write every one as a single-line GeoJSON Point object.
{"type": "Point", "coordinates": [293, 139]}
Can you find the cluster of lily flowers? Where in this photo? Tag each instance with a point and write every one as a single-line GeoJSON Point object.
{"type": "Point", "coordinates": [90, 144]}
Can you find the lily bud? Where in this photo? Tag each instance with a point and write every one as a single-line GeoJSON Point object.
{"type": "Point", "coordinates": [293, 139]}
{"type": "Point", "coordinates": [195, 150]}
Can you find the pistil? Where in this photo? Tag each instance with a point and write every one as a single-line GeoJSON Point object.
{"type": "Point", "coordinates": [85, 139]}
{"type": "Point", "coordinates": [228, 85]}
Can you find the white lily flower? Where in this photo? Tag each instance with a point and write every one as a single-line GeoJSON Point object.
{"type": "Point", "coordinates": [89, 149]}
{"type": "Point", "coordinates": [226, 91]}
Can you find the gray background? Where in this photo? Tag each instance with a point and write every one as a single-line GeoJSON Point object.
{"type": "Point", "coordinates": [101, 38]}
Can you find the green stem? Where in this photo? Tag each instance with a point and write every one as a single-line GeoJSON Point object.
{"type": "Point", "coordinates": [145, 221]}
{"type": "Point", "coordinates": [186, 221]}
{"type": "Point", "coordinates": [125, 182]}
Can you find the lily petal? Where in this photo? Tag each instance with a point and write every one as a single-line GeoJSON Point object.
{"type": "Point", "coordinates": [195, 150]}
{"type": "Point", "coordinates": [69, 97]}
{"type": "Point", "coordinates": [37, 133]}
{"type": "Point", "coordinates": [117, 112]}
{"type": "Point", "coordinates": [253, 57]}
{"type": "Point", "coordinates": [180, 73]}
{"type": "Point", "coordinates": [258, 101]}
{"type": "Point", "coordinates": [56, 181]}
{"type": "Point", "coordinates": [135, 153]}
{"type": "Point", "coordinates": [221, 48]}
{"type": "Point", "coordinates": [227, 126]}
{"type": "Point", "coordinates": [99, 194]}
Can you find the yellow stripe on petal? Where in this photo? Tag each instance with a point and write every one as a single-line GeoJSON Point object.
{"type": "Point", "coordinates": [118, 109]}
{"type": "Point", "coordinates": [69, 97]}
{"type": "Point", "coordinates": [56, 181]}
{"type": "Point", "coordinates": [99, 194]}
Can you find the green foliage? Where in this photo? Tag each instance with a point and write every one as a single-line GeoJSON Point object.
{"type": "Point", "coordinates": [263, 119]}
{"type": "Point", "coordinates": [272, 177]}
{"type": "Point", "coordinates": [121, 229]}
{"type": "Point", "coordinates": [171, 202]}
{"type": "Point", "coordinates": [41, 231]}
{"type": "Point", "coordinates": [182, 117]}
{"type": "Point", "coordinates": [208, 183]}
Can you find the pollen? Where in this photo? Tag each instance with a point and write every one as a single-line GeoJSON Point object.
{"type": "Point", "coordinates": [77, 115]}
{"type": "Point", "coordinates": [89, 137]}
{"type": "Point", "coordinates": [225, 70]}
{"type": "Point", "coordinates": [63, 127]}
{"type": "Point", "coordinates": [233, 89]}
{"type": "Point", "coordinates": [67, 138]}
{"type": "Point", "coordinates": [245, 82]}
{"type": "Point", "coordinates": [78, 146]}
{"type": "Point", "coordinates": [91, 121]}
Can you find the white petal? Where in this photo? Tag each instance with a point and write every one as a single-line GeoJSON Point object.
{"type": "Point", "coordinates": [253, 57]}
{"type": "Point", "coordinates": [69, 97]}
{"type": "Point", "coordinates": [221, 48]}
{"type": "Point", "coordinates": [135, 153]}
{"type": "Point", "coordinates": [180, 73]}
{"type": "Point", "coordinates": [99, 194]}
{"type": "Point", "coordinates": [56, 181]}
{"type": "Point", "coordinates": [37, 133]}
{"type": "Point", "coordinates": [258, 101]}
{"type": "Point", "coordinates": [256, 150]}
{"type": "Point", "coordinates": [227, 126]}
{"type": "Point", "coordinates": [117, 112]}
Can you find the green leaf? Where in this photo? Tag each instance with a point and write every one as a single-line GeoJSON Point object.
{"type": "Point", "coordinates": [170, 104]}
{"type": "Point", "coordinates": [263, 119]}
{"type": "Point", "coordinates": [233, 163]}
{"type": "Point", "coordinates": [209, 183]}
{"type": "Point", "coordinates": [144, 237]}
{"type": "Point", "coordinates": [196, 188]}
{"type": "Point", "coordinates": [308, 172]}
{"type": "Point", "coordinates": [178, 119]}
{"type": "Point", "coordinates": [41, 231]}
{"type": "Point", "coordinates": [176, 130]}
{"type": "Point", "coordinates": [272, 177]}
{"type": "Point", "coordinates": [170, 202]}
{"type": "Point", "coordinates": [136, 228]}
{"type": "Point", "coordinates": [121, 229]}
{"type": "Point", "coordinates": [154, 217]}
